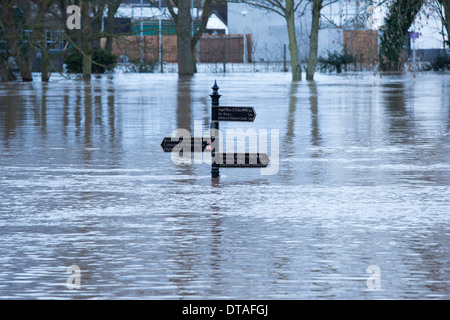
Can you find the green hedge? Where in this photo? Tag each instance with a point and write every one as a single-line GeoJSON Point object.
{"type": "Point", "coordinates": [102, 61]}
{"type": "Point", "coordinates": [334, 61]}
{"type": "Point", "coordinates": [441, 63]}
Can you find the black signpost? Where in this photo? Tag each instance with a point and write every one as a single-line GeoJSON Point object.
{"type": "Point", "coordinates": [231, 114]}
{"type": "Point", "coordinates": [215, 97]}
{"type": "Point", "coordinates": [221, 160]}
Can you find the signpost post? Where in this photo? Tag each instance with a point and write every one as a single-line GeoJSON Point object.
{"type": "Point", "coordinates": [218, 159]}
{"type": "Point", "coordinates": [215, 97]}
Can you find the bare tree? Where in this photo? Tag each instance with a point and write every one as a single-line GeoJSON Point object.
{"type": "Point", "coordinates": [43, 6]}
{"type": "Point", "coordinates": [24, 25]}
{"type": "Point", "coordinates": [6, 73]}
{"type": "Point", "coordinates": [113, 6]}
{"type": "Point", "coordinates": [88, 38]}
{"type": "Point", "coordinates": [446, 4]}
{"type": "Point", "coordinates": [442, 8]}
{"type": "Point", "coordinates": [357, 21]}
{"type": "Point", "coordinates": [20, 40]}
{"type": "Point", "coordinates": [287, 9]}
{"type": "Point", "coordinates": [317, 6]}
{"type": "Point", "coordinates": [187, 39]}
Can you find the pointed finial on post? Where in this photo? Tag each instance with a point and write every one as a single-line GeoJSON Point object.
{"type": "Point", "coordinates": [215, 87]}
{"type": "Point", "coordinates": [215, 96]}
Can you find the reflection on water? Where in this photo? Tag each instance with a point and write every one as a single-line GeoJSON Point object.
{"type": "Point", "coordinates": [364, 180]}
{"type": "Point", "coordinates": [314, 101]}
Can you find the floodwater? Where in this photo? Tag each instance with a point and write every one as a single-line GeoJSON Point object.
{"type": "Point", "coordinates": [363, 181]}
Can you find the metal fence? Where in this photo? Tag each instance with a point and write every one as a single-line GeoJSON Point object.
{"type": "Point", "coordinates": [210, 49]}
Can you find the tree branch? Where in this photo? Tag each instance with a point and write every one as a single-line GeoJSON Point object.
{"type": "Point", "coordinates": [204, 21]}
{"type": "Point", "coordinates": [170, 6]}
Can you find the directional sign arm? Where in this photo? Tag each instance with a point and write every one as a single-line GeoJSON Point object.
{"type": "Point", "coordinates": [234, 114]}
{"type": "Point", "coordinates": [196, 144]}
{"type": "Point", "coordinates": [242, 160]}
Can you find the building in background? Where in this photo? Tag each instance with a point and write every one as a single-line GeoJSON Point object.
{"type": "Point", "coordinates": [269, 31]}
{"type": "Point", "coordinates": [152, 34]}
{"type": "Point", "coordinates": [346, 27]}
{"type": "Point", "coordinates": [151, 12]}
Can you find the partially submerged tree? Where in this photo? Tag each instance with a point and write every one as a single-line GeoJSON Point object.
{"type": "Point", "coordinates": [6, 73]}
{"type": "Point", "coordinates": [435, 10]}
{"type": "Point", "coordinates": [20, 40]}
{"type": "Point", "coordinates": [442, 8]}
{"type": "Point", "coordinates": [287, 9]}
{"type": "Point", "coordinates": [187, 39]}
{"type": "Point", "coordinates": [113, 6]}
{"type": "Point", "coordinates": [317, 6]}
{"type": "Point", "coordinates": [43, 6]}
{"type": "Point", "coordinates": [88, 38]}
{"type": "Point", "coordinates": [24, 26]}
{"type": "Point", "coordinates": [446, 4]}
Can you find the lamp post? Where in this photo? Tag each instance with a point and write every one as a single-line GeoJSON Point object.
{"type": "Point", "coordinates": [142, 32]}
{"type": "Point", "coordinates": [244, 14]}
{"type": "Point", "coordinates": [160, 38]}
{"type": "Point", "coordinates": [414, 36]}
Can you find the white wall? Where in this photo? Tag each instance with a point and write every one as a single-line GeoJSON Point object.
{"type": "Point", "coordinates": [268, 30]}
{"type": "Point", "coordinates": [430, 31]}
{"type": "Point", "coordinates": [269, 33]}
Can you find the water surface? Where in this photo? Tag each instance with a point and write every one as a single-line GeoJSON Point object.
{"type": "Point", "coordinates": [364, 179]}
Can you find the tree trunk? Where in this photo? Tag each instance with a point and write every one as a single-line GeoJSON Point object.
{"type": "Point", "coordinates": [26, 65]}
{"type": "Point", "coordinates": [186, 62]}
{"type": "Point", "coordinates": [96, 24]}
{"type": "Point", "coordinates": [186, 38]}
{"type": "Point", "coordinates": [314, 40]}
{"type": "Point", "coordinates": [86, 42]}
{"type": "Point", "coordinates": [293, 46]}
{"type": "Point", "coordinates": [22, 53]}
{"type": "Point", "coordinates": [186, 57]}
{"type": "Point", "coordinates": [6, 73]}
{"type": "Point", "coordinates": [109, 25]}
{"type": "Point", "coordinates": [402, 14]}
{"type": "Point", "coordinates": [40, 32]}
{"type": "Point", "coordinates": [45, 60]}
{"type": "Point", "coordinates": [446, 4]}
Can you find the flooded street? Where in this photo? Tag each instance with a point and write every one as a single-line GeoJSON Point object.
{"type": "Point", "coordinates": [363, 180]}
